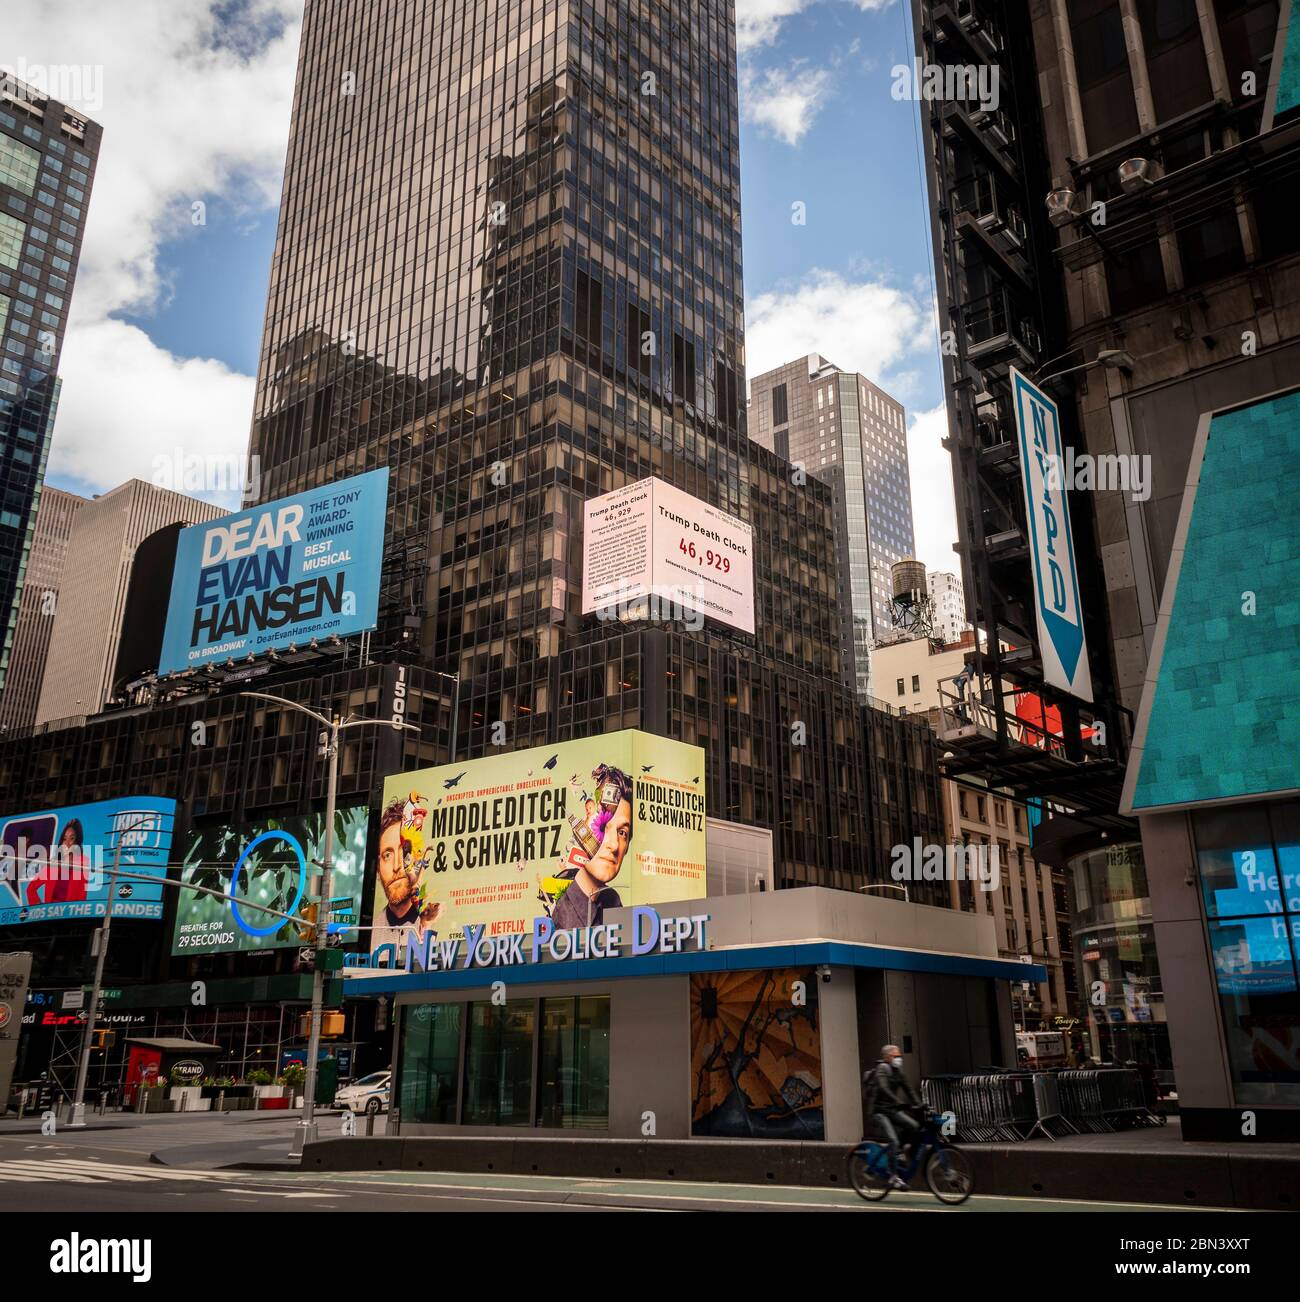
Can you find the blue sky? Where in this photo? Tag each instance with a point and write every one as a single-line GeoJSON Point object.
{"type": "Point", "coordinates": [167, 315]}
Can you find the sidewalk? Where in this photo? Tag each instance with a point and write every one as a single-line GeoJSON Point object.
{"type": "Point", "coordinates": [1146, 1165]}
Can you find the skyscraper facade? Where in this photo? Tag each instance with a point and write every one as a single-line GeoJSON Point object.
{"type": "Point", "coordinates": [949, 605]}
{"type": "Point", "coordinates": [844, 429]}
{"type": "Point", "coordinates": [1121, 230]}
{"type": "Point", "coordinates": [513, 276]}
{"type": "Point", "coordinates": [37, 608]}
{"type": "Point", "coordinates": [96, 574]}
{"type": "Point", "coordinates": [48, 156]}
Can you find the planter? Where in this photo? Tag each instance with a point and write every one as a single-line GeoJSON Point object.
{"type": "Point", "coordinates": [150, 1100]}
{"type": "Point", "coordinates": [271, 1096]}
{"type": "Point", "coordinates": [188, 1098]}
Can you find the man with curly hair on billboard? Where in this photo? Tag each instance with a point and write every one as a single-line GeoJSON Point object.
{"type": "Point", "coordinates": [402, 866]}
{"type": "Point", "coordinates": [589, 893]}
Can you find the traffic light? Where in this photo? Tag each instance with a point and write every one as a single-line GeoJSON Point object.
{"type": "Point", "coordinates": [103, 1039]}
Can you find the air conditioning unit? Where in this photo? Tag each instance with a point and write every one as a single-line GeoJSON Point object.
{"type": "Point", "coordinates": [1135, 175]}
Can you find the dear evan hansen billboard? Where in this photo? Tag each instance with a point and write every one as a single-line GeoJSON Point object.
{"type": "Point", "coordinates": [302, 567]}
{"type": "Point", "coordinates": [1056, 579]}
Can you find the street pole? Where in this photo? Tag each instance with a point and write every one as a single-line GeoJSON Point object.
{"type": "Point", "coordinates": [306, 1133]}
{"type": "Point", "coordinates": [306, 1130]}
{"type": "Point", "coordinates": [78, 1115]}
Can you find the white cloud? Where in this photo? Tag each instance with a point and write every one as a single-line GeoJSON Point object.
{"type": "Point", "coordinates": [192, 111]}
{"type": "Point", "coordinates": [147, 414]}
{"type": "Point", "coordinates": [887, 334]}
{"type": "Point", "coordinates": [934, 511]}
{"type": "Point", "coordinates": [784, 102]}
{"type": "Point", "coordinates": [867, 325]}
{"type": "Point", "coordinates": [758, 22]}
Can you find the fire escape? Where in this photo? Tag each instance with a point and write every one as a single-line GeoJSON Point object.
{"type": "Point", "coordinates": [1001, 724]}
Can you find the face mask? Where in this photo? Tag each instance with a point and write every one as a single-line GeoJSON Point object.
{"type": "Point", "coordinates": [898, 1064]}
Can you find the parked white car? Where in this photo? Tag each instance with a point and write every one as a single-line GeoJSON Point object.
{"type": "Point", "coordinates": [369, 1095]}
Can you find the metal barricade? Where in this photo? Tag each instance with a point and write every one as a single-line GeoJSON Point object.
{"type": "Point", "coordinates": [1103, 1100]}
{"type": "Point", "coordinates": [987, 1107]}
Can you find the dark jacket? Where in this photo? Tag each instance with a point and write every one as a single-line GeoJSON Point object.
{"type": "Point", "coordinates": [888, 1090]}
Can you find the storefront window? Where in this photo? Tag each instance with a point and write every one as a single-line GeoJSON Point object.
{"type": "Point", "coordinates": [1120, 973]}
{"type": "Point", "coordinates": [499, 1064]}
{"type": "Point", "coordinates": [573, 1084]}
{"type": "Point", "coordinates": [1249, 862]}
{"type": "Point", "coordinates": [430, 1055]}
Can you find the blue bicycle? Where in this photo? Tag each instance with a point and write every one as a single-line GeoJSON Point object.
{"type": "Point", "coordinates": [947, 1170]}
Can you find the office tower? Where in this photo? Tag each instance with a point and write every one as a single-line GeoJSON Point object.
{"type": "Point", "coordinates": [1121, 228]}
{"type": "Point", "coordinates": [37, 608]}
{"type": "Point", "coordinates": [514, 278]}
{"type": "Point", "coordinates": [843, 428]}
{"type": "Point", "coordinates": [47, 167]}
{"type": "Point", "coordinates": [96, 572]}
{"type": "Point", "coordinates": [949, 605]}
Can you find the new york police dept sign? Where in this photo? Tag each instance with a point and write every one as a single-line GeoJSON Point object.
{"type": "Point", "coordinates": [649, 933]}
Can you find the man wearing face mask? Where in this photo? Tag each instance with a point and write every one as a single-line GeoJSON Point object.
{"type": "Point", "coordinates": [890, 1103]}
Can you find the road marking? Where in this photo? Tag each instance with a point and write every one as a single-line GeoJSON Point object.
{"type": "Point", "coordinates": [79, 1171]}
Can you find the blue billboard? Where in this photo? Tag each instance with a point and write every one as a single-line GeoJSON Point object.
{"type": "Point", "coordinates": [56, 864]}
{"type": "Point", "coordinates": [299, 568]}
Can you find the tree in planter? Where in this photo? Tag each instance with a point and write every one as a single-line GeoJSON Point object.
{"type": "Point", "coordinates": [259, 1076]}
{"type": "Point", "coordinates": [294, 1076]}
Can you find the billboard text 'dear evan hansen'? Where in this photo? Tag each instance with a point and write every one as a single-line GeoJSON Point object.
{"type": "Point", "coordinates": [298, 568]}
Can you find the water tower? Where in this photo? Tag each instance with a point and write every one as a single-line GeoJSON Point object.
{"type": "Point", "coordinates": [911, 611]}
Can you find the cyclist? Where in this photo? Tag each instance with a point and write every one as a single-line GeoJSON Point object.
{"type": "Point", "coordinates": [890, 1103]}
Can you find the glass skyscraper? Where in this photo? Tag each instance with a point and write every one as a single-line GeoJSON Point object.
{"type": "Point", "coordinates": [846, 430]}
{"type": "Point", "coordinates": [47, 167]}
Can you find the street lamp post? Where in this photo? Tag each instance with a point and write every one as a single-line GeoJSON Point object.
{"type": "Point", "coordinates": [306, 1131]}
{"type": "Point", "coordinates": [78, 1115]}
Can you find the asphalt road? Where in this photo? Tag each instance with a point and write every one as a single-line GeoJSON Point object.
{"type": "Point", "coordinates": [100, 1170]}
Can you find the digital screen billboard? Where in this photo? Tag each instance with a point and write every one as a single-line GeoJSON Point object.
{"type": "Point", "coordinates": [272, 863]}
{"type": "Point", "coordinates": [56, 863]}
{"type": "Point", "coordinates": [300, 568]}
{"type": "Point", "coordinates": [651, 540]}
{"type": "Point", "coordinates": [567, 831]}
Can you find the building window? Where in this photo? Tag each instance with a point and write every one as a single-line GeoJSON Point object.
{"type": "Point", "coordinates": [430, 1058]}
{"type": "Point", "coordinates": [1102, 68]}
{"type": "Point", "coordinates": [19, 164]}
{"type": "Point", "coordinates": [12, 232]}
{"type": "Point", "coordinates": [916, 682]}
{"type": "Point", "coordinates": [780, 405]}
{"type": "Point", "coordinates": [902, 687]}
{"type": "Point", "coordinates": [573, 1081]}
{"type": "Point", "coordinates": [1135, 278]}
{"type": "Point", "coordinates": [1249, 860]}
{"type": "Point", "coordinates": [499, 1063]}
{"type": "Point", "coordinates": [1211, 248]}
{"type": "Point", "coordinates": [1176, 66]}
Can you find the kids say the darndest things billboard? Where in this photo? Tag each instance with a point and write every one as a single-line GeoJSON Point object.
{"type": "Point", "coordinates": [568, 831]}
{"type": "Point", "coordinates": [300, 568]}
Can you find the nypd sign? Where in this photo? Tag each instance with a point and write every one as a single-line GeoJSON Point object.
{"type": "Point", "coordinates": [1056, 582]}
{"type": "Point", "coordinates": [648, 933]}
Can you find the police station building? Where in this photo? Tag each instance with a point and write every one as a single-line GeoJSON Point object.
{"type": "Point", "coordinates": [742, 1016]}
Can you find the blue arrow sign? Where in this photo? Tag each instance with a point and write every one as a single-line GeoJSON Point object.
{"type": "Point", "coordinates": [1047, 509]}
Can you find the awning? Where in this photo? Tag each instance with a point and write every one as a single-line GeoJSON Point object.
{"type": "Point", "coordinates": [810, 953]}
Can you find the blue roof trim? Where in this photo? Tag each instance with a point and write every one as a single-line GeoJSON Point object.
{"type": "Point", "coordinates": [801, 954]}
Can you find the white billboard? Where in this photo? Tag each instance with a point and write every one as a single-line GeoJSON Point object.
{"type": "Point", "coordinates": [650, 539]}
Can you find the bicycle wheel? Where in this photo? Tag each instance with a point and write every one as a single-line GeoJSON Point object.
{"type": "Point", "coordinates": [869, 1180]}
{"type": "Point", "coordinates": [949, 1175]}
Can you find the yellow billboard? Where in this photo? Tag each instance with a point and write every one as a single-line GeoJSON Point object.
{"type": "Point", "coordinates": [567, 831]}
